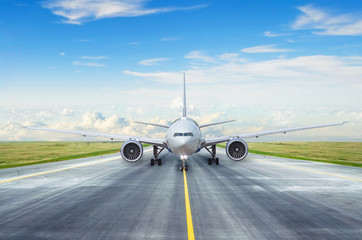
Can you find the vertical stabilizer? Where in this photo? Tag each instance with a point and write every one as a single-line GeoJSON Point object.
{"type": "Point", "coordinates": [184, 102]}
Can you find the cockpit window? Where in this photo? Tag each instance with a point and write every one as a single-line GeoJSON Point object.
{"type": "Point", "coordinates": [190, 134]}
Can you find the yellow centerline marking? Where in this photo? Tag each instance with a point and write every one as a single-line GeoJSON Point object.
{"type": "Point", "coordinates": [190, 227]}
{"type": "Point", "coordinates": [310, 170]}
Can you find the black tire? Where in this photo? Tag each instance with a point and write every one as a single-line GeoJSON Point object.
{"type": "Point", "coordinates": [217, 161]}
{"type": "Point", "coordinates": [159, 162]}
{"type": "Point", "coordinates": [152, 162]}
{"type": "Point", "coordinates": [210, 161]}
{"type": "Point", "coordinates": [186, 167]}
{"type": "Point", "coordinates": [181, 168]}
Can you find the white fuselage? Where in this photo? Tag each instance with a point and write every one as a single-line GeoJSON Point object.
{"type": "Point", "coordinates": [184, 137]}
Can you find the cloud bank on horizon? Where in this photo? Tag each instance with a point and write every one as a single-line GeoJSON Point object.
{"type": "Point", "coordinates": [98, 65]}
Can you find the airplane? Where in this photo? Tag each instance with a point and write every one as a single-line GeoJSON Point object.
{"type": "Point", "coordinates": [184, 138]}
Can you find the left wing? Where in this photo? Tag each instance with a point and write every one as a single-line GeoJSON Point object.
{"type": "Point", "coordinates": [153, 141]}
{"type": "Point", "coordinates": [212, 141]}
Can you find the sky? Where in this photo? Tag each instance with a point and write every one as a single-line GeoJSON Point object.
{"type": "Point", "coordinates": [101, 65]}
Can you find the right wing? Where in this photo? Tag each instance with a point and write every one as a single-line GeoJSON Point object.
{"type": "Point", "coordinates": [215, 140]}
{"type": "Point", "coordinates": [153, 141]}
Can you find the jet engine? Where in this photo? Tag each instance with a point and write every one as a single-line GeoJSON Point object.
{"type": "Point", "coordinates": [131, 151]}
{"type": "Point", "coordinates": [237, 149]}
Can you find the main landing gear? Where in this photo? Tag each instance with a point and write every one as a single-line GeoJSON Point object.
{"type": "Point", "coordinates": [212, 151]}
{"type": "Point", "coordinates": [156, 152]}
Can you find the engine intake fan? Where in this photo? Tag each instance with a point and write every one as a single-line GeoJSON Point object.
{"type": "Point", "coordinates": [237, 149]}
{"type": "Point", "coordinates": [131, 151]}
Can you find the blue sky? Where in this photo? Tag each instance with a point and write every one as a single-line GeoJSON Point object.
{"type": "Point", "coordinates": [99, 65]}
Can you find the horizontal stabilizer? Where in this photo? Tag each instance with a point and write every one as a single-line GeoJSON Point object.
{"type": "Point", "coordinates": [154, 124]}
{"type": "Point", "coordinates": [211, 124]}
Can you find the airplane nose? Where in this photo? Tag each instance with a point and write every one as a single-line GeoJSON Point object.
{"type": "Point", "coordinates": [184, 147]}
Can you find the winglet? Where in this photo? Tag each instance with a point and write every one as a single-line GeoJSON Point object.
{"type": "Point", "coordinates": [184, 102]}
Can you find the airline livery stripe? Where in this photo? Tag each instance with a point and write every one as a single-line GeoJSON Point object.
{"type": "Point", "coordinates": [190, 227]}
{"type": "Point", "coordinates": [310, 170]}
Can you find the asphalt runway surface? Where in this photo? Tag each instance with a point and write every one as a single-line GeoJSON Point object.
{"type": "Point", "coordinates": [107, 198]}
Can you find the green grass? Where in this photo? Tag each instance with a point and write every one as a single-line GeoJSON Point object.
{"type": "Point", "coordinates": [14, 154]}
{"type": "Point", "coordinates": [344, 153]}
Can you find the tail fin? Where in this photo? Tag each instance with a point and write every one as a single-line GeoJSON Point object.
{"type": "Point", "coordinates": [184, 107]}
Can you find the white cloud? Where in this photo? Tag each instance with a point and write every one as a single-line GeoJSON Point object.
{"type": "Point", "coordinates": [134, 43]}
{"type": "Point", "coordinates": [171, 38]}
{"type": "Point", "coordinates": [265, 49]}
{"type": "Point", "coordinates": [229, 57]}
{"type": "Point", "coordinates": [283, 117]}
{"type": "Point", "coordinates": [80, 11]}
{"type": "Point", "coordinates": [62, 54]}
{"type": "Point", "coordinates": [157, 76]}
{"type": "Point", "coordinates": [177, 103]}
{"type": "Point", "coordinates": [249, 119]}
{"type": "Point", "coordinates": [44, 114]}
{"type": "Point", "coordinates": [94, 57]}
{"type": "Point", "coordinates": [317, 69]}
{"type": "Point", "coordinates": [88, 64]}
{"type": "Point", "coordinates": [153, 61]}
{"type": "Point", "coordinates": [67, 112]}
{"type": "Point", "coordinates": [271, 34]}
{"type": "Point", "coordinates": [198, 55]}
{"type": "Point", "coordinates": [327, 24]}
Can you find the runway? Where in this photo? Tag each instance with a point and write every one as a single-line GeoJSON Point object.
{"type": "Point", "coordinates": [107, 198]}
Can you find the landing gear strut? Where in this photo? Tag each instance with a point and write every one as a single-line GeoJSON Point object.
{"type": "Point", "coordinates": [156, 152]}
{"type": "Point", "coordinates": [184, 165]}
{"type": "Point", "coordinates": [212, 151]}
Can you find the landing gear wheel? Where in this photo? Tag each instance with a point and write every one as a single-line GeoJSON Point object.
{"type": "Point", "coordinates": [156, 152]}
{"type": "Point", "coordinates": [181, 168]}
{"type": "Point", "coordinates": [212, 151]}
{"type": "Point", "coordinates": [186, 168]}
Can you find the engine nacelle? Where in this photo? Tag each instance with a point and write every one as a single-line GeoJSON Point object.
{"type": "Point", "coordinates": [237, 149]}
{"type": "Point", "coordinates": [131, 151]}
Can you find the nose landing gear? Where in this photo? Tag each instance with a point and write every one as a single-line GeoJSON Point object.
{"type": "Point", "coordinates": [184, 163]}
{"type": "Point", "coordinates": [184, 166]}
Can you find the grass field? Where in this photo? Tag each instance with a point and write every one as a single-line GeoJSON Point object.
{"type": "Point", "coordinates": [13, 154]}
{"type": "Point", "coordinates": [345, 153]}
